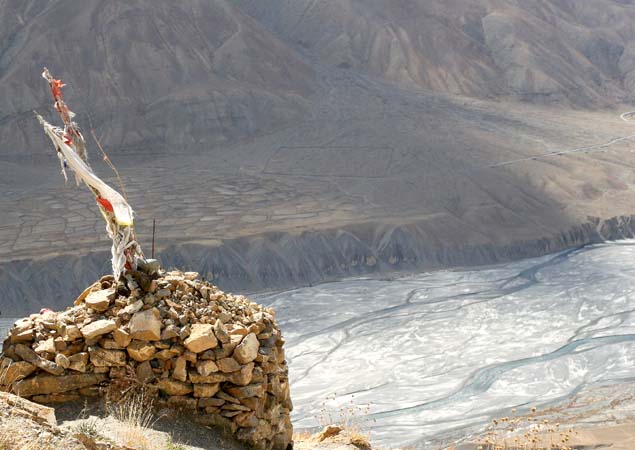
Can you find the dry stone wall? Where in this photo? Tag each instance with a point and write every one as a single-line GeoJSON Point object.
{"type": "Point", "coordinates": [195, 348]}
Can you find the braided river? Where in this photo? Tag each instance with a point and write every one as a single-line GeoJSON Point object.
{"type": "Point", "coordinates": [424, 360]}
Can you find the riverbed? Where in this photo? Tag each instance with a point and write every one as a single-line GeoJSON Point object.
{"type": "Point", "coordinates": [428, 359]}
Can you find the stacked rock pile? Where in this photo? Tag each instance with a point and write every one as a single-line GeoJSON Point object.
{"type": "Point", "coordinates": [216, 355]}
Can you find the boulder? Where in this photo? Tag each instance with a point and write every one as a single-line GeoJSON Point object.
{"type": "Point", "coordinates": [11, 372]}
{"type": "Point", "coordinates": [78, 362]}
{"type": "Point", "coordinates": [30, 356]}
{"type": "Point", "coordinates": [101, 357]}
{"type": "Point", "coordinates": [38, 413]}
{"type": "Point", "coordinates": [180, 369]}
{"type": "Point", "coordinates": [141, 351]}
{"type": "Point", "coordinates": [228, 365]}
{"type": "Point", "coordinates": [247, 350]}
{"type": "Point", "coordinates": [172, 387]}
{"type": "Point", "coordinates": [146, 325]}
{"type": "Point", "coordinates": [47, 346]}
{"type": "Point", "coordinates": [100, 300]}
{"type": "Point", "coordinates": [201, 338]}
{"type": "Point", "coordinates": [206, 390]}
{"type": "Point", "coordinates": [206, 367]}
{"type": "Point", "coordinates": [98, 328]}
{"type": "Point", "coordinates": [121, 337]}
{"type": "Point", "coordinates": [50, 384]}
{"type": "Point", "coordinates": [251, 390]}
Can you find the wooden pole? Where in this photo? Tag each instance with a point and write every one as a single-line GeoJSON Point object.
{"type": "Point", "coordinates": [153, 228]}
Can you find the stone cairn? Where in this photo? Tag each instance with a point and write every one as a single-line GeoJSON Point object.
{"type": "Point", "coordinates": [217, 356]}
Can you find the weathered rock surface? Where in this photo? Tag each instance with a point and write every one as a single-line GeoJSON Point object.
{"type": "Point", "coordinates": [201, 338]}
{"type": "Point", "coordinates": [209, 365]}
{"type": "Point", "coordinates": [98, 328]}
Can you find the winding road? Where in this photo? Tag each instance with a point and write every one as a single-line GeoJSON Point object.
{"type": "Point", "coordinates": [628, 117]}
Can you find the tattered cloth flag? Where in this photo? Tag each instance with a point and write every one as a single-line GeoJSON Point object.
{"type": "Point", "coordinates": [71, 150]}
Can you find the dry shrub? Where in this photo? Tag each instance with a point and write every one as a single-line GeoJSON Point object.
{"type": "Point", "coordinates": [351, 418]}
{"type": "Point", "coordinates": [526, 433]}
{"type": "Point", "coordinates": [134, 415]}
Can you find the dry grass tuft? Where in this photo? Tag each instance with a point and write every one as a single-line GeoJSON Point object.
{"type": "Point", "coordinates": [528, 432]}
{"type": "Point", "coordinates": [351, 418]}
{"type": "Point", "coordinates": [134, 415]}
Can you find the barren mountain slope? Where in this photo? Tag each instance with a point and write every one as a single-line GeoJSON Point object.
{"type": "Point", "coordinates": [544, 51]}
{"type": "Point", "coordinates": [154, 76]}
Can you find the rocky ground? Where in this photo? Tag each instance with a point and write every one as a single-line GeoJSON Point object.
{"type": "Point", "coordinates": [26, 425]}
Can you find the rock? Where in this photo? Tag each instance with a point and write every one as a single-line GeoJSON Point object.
{"type": "Point", "coordinates": [180, 369]}
{"type": "Point", "coordinates": [110, 344]}
{"type": "Point", "coordinates": [121, 337]}
{"type": "Point", "coordinates": [98, 328]}
{"type": "Point", "coordinates": [228, 365]}
{"type": "Point", "coordinates": [91, 391]}
{"type": "Point", "coordinates": [78, 362]}
{"type": "Point", "coordinates": [70, 333]}
{"type": "Point", "coordinates": [190, 276]}
{"type": "Point", "coordinates": [190, 356]}
{"type": "Point", "coordinates": [206, 390]}
{"type": "Point", "coordinates": [146, 325]}
{"type": "Point", "coordinates": [238, 330]}
{"type": "Point", "coordinates": [142, 279]}
{"type": "Point", "coordinates": [207, 379]}
{"type": "Point", "coordinates": [225, 396]}
{"type": "Point", "coordinates": [242, 377]}
{"type": "Point", "coordinates": [106, 358]}
{"type": "Point", "coordinates": [117, 373]}
{"type": "Point", "coordinates": [201, 338]}
{"type": "Point", "coordinates": [25, 335]}
{"type": "Point", "coordinates": [149, 266]}
{"type": "Point", "coordinates": [47, 346]}
{"type": "Point", "coordinates": [246, 420]}
{"type": "Point", "coordinates": [167, 353]}
{"type": "Point", "coordinates": [62, 361]}
{"type": "Point", "coordinates": [86, 292]}
{"type": "Point", "coordinates": [210, 402]}
{"type": "Point", "coordinates": [30, 356]}
{"type": "Point", "coordinates": [38, 413]}
{"type": "Point", "coordinates": [234, 340]}
{"type": "Point", "coordinates": [11, 372]}
{"type": "Point", "coordinates": [220, 331]}
{"type": "Point", "coordinates": [48, 384]}
{"type": "Point", "coordinates": [141, 351]}
{"type": "Point", "coordinates": [60, 344]}
{"type": "Point", "coordinates": [251, 390]}
{"type": "Point", "coordinates": [206, 368]}
{"type": "Point", "coordinates": [169, 332]}
{"type": "Point", "coordinates": [144, 372]}
{"type": "Point", "coordinates": [100, 300]}
{"type": "Point", "coordinates": [132, 308]}
{"type": "Point", "coordinates": [234, 407]}
{"type": "Point", "coordinates": [329, 431]}
{"type": "Point", "coordinates": [55, 398]}
{"type": "Point", "coordinates": [247, 350]}
{"type": "Point", "coordinates": [172, 387]}
{"type": "Point", "coordinates": [182, 402]}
